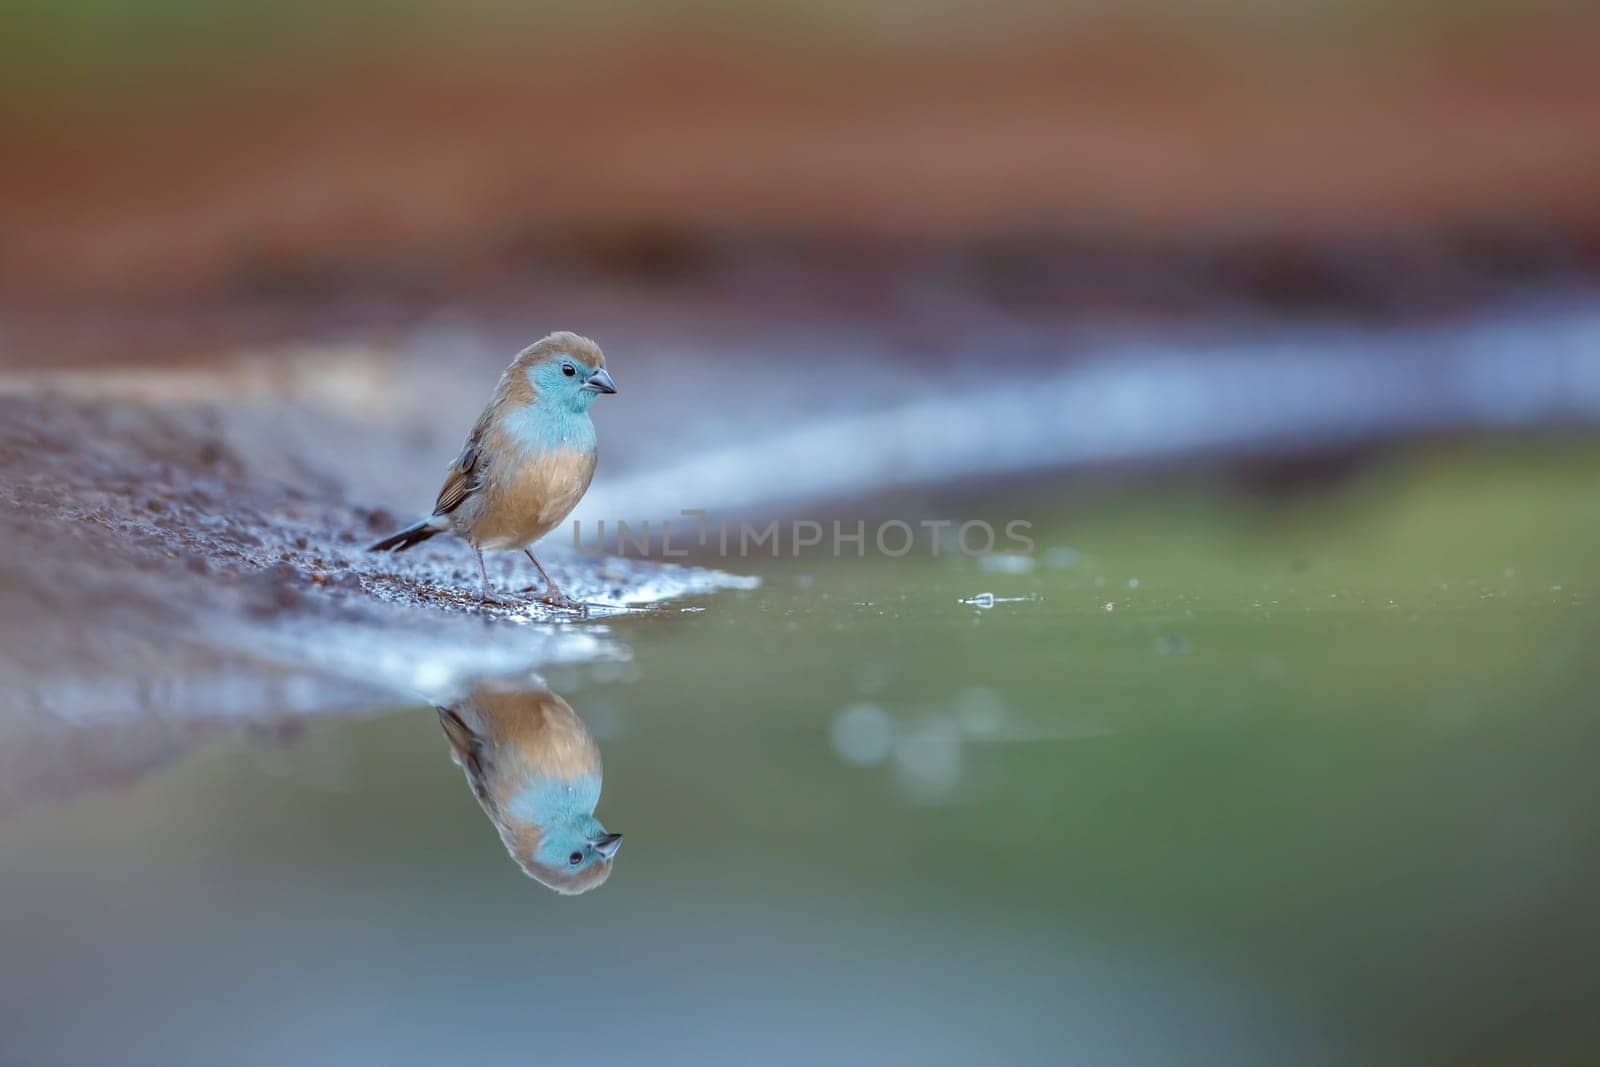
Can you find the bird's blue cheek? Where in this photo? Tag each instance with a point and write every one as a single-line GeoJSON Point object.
{"type": "Point", "coordinates": [557, 852]}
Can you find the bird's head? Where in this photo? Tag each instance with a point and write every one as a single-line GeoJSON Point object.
{"type": "Point", "coordinates": [571, 855]}
{"type": "Point", "coordinates": [565, 371]}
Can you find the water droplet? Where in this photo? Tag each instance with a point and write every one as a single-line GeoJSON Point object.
{"type": "Point", "coordinates": [1062, 557]}
{"type": "Point", "coordinates": [862, 735]}
{"type": "Point", "coordinates": [1006, 563]}
{"type": "Point", "coordinates": [927, 761]}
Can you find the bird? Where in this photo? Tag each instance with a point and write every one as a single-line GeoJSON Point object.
{"type": "Point", "coordinates": [528, 460]}
{"type": "Point", "coordinates": [535, 769]}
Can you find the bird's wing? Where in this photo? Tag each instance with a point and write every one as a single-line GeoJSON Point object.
{"type": "Point", "coordinates": [469, 750]}
{"type": "Point", "coordinates": [465, 475]}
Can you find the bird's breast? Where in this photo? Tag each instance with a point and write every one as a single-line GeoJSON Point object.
{"type": "Point", "coordinates": [530, 495]}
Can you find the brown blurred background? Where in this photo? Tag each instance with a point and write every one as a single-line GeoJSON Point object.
{"type": "Point", "coordinates": [170, 157]}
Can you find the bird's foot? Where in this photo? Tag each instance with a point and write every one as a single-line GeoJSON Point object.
{"type": "Point", "coordinates": [555, 598]}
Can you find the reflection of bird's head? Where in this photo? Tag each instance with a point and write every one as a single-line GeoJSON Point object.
{"type": "Point", "coordinates": [561, 374]}
{"type": "Point", "coordinates": [536, 772]}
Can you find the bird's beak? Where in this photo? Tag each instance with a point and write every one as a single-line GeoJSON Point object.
{"type": "Point", "coordinates": [600, 382]}
{"type": "Point", "coordinates": [607, 844]}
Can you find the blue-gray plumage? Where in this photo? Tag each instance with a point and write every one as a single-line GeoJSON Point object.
{"type": "Point", "coordinates": [536, 772]}
{"type": "Point", "coordinates": [528, 460]}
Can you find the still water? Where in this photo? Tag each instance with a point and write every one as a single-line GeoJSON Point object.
{"type": "Point", "coordinates": [1219, 777]}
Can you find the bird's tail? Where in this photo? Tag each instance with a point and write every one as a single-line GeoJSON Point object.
{"type": "Point", "coordinates": [401, 540]}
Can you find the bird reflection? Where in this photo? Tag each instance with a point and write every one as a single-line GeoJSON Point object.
{"type": "Point", "coordinates": [535, 770]}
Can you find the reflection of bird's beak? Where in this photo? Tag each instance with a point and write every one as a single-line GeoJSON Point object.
{"type": "Point", "coordinates": [607, 844]}
{"type": "Point", "coordinates": [600, 382]}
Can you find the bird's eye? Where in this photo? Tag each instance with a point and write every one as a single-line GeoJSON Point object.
{"type": "Point", "coordinates": [575, 859]}
{"type": "Point", "coordinates": [569, 370]}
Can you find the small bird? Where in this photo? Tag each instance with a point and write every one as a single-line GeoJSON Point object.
{"type": "Point", "coordinates": [528, 460]}
{"type": "Point", "coordinates": [535, 770]}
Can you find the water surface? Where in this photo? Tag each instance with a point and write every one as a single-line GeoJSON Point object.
{"type": "Point", "coordinates": [1220, 777]}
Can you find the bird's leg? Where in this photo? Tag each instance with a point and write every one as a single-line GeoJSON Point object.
{"type": "Point", "coordinates": [483, 572]}
{"type": "Point", "coordinates": [549, 585]}
{"type": "Point", "coordinates": [551, 595]}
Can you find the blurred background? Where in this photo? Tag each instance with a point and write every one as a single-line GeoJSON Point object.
{"type": "Point", "coordinates": [1279, 322]}
{"type": "Point", "coordinates": [303, 166]}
